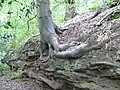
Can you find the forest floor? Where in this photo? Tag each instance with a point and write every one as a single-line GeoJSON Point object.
{"type": "Point", "coordinates": [10, 80]}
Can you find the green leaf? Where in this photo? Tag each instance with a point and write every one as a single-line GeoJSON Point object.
{"type": "Point", "coordinates": [1, 5]}
{"type": "Point", "coordinates": [5, 26]}
{"type": "Point", "coordinates": [10, 2]}
{"type": "Point", "coordinates": [2, 1]}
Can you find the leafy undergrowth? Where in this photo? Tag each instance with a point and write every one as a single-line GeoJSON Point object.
{"type": "Point", "coordinates": [7, 74]}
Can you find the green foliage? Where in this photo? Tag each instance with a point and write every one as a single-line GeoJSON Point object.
{"type": "Point", "coordinates": [3, 67]}
{"type": "Point", "coordinates": [94, 4]}
{"type": "Point", "coordinates": [17, 23]}
{"type": "Point", "coordinates": [109, 1]}
{"type": "Point", "coordinates": [116, 16]}
{"type": "Point", "coordinates": [58, 10]}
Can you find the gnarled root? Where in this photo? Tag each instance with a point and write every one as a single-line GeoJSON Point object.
{"type": "Point", "coordinates": [80, 51]}
{"type": "Point", "coordinates": [61, 47]}
{"type": "Point", "coordinates": [46, 52]}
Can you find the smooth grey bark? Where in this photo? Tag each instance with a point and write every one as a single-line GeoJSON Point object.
{"type": "Point", "coordinates": [47, 33]}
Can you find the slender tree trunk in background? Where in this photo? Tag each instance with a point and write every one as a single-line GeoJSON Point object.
{"type": "Point", "coordinates": [70, 9]}
{"type": "Point", "coordinates": [47, 33]}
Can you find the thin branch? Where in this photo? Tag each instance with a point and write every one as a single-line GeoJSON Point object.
{"type": "Point", "coordinates": [28, 25]}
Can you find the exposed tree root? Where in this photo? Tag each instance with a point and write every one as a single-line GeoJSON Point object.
{"type": "Point", "coordinates": [57, 29]}
{"type": "Point", "coordinates": [80, 51]}
{"type": "Point", "coordinates": [99, 23]}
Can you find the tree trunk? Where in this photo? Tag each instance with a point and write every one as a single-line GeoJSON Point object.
{"type": "Point", "coordinates": [70, 9]}
{"type": "Point", "coordinates": [47, 33]}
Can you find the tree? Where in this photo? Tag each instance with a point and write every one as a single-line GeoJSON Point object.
{"type": "Point", "coordinates": [46, 27]}
{"type": "Point", "coordinates": [47, 32]}
{"type": "Point", "coordinates": [70, 9]}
